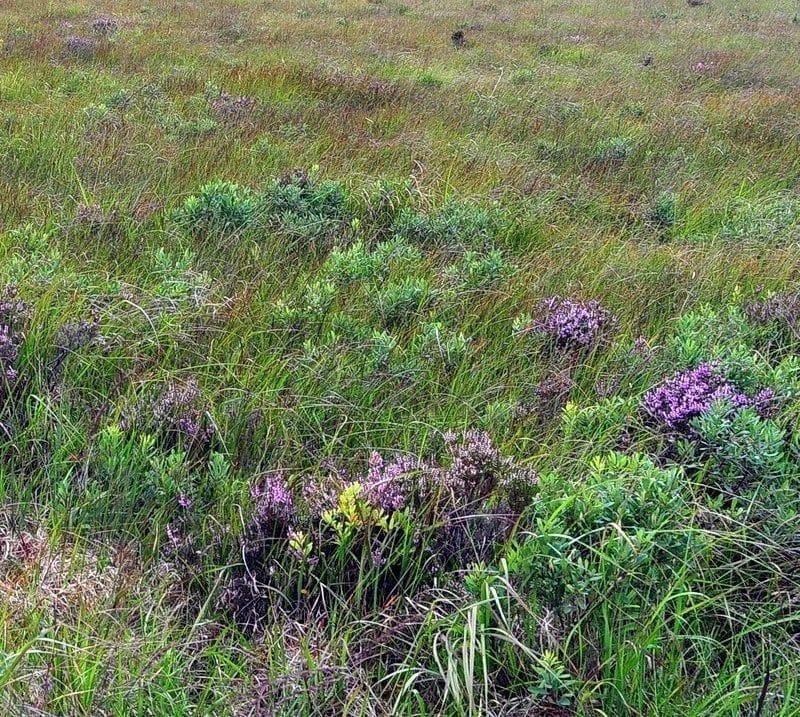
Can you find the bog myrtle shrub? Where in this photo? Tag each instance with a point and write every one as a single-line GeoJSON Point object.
{"type": "Point", "coordinates": [401, 301]}
{"type": "Point", "coordinates": [454, 224]}
{"type": "Point", "coordinates": [444, 347]}
{"type": "Point", "coordinates": [737, 448]}
{"type": "Point", "coordinates": [478, 270]}
{"type": "Point", "coordinates": [616, 529]}
{"type": "Point", "coordinates": [297, 204]}
{"type": "Point", "coordinates": [303, 205]}
{"type": "Point", "coordinates": [353, 264]}
{"type": "Point", "coordinates": [613, 151]}
{"type": "Point", "coordinates": [664, 210]}
{"type": "Point", "coordinates": [218, 206]}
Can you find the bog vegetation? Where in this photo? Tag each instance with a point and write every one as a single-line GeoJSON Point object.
{"type": "Point", "coordinates": [372, 358]}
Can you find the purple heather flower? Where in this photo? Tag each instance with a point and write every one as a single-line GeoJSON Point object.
{"type": "Point", "coordinates": [688, 394]}
{"type": "Point", "coordinates": [780, 309]}
{"type": "Point", "coordinates": [177, 408]}
{"type": "Point", "coordinates": [79, 46]}
{"type": "Point", "coordinates": [476, 464]}
{"type": "Point", "coordinates": [185, 502]}
{"type": "Point", "coordinates": [273, 499]}
{"type": "Point", "coordinates": [233, 109]}
{"type": "Point", "coordinates": [572, 324]}
{"type": "Point", "coordinates": [765, 403]}
{"type": "Point", "coordinates": [13, 310]}
{"type": "Point", "coordinates": [386, 485]}
{"type": "Point", "coordinates": [105, 26]}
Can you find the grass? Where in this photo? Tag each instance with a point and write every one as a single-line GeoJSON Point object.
{"type": "Point", "coordinates": [288, 425]}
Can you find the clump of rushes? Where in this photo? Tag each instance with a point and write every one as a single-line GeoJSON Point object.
{"type": "Point", "coordinates": [571, 324]}
{"type": "Point", "coordinates": [686, 395]}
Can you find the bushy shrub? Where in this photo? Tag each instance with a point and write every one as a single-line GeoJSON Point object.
{"type": "Point", "coordinates": [736, 448]}
{"type": "Point", "coordinates": [455, 224]}
{"type": "Point", "coordinates": [302, 205]}
{"type": "Point", "coordinates": [401, 301]}
{"type": "Point", "coordinates": [664, 210]}
{"type": "Point", "coordinates": [478, 270]}
{"type": "Point", "coordinates": [617, 528]}
{"type": "Point", "coordinates": [218, 206]}
{"type": "Point", "coordinates": [613, 151]}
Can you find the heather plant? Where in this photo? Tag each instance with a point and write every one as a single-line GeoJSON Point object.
{"type": "Point", "coordinates": [569, 324]}
{"type": "Point", "coordinates": [175, 412]}
{"type": "Point", "coordinates": [105, 27]}
{"type": "Point", "coordinates": [684, 396]}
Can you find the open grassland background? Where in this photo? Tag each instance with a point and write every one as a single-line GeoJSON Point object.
{"type": "Point", "coordinates": [292, 423]}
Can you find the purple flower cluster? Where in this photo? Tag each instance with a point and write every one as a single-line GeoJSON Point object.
{"type": "Point", "coordinates": [233, 109]}
{"type": "Point", "coordinates": [80, 47]}
{"type": "Point", "coordinates": [477, 467]}
{"type": "Point", "coordinates": [386, 485]}
{"type": "Point", "coordinates": [13, 315]}
{"type": "Point", "coordinates": [9, 351]}
{"type": "Point", "coordinates": [781, 309]}
{"type": "Point", "coordinates": [273, 499]}
{"type": "Point", "coordinates": [14, 312]}
{"type": "Point", "coordinates": [105, 26]}
{"type": "Point", "coordinates": [688, 394]}
{"type": "Point", "coordinates": [572, 324]}
{"type": "Point", "coordinates": [177, 409]}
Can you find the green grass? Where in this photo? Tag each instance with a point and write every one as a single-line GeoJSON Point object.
{"type": "Point", "coordinates": [277, 246]}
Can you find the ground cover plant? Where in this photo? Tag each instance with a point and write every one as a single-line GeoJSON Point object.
{"type": "Point", "coordinates": [362, 357]}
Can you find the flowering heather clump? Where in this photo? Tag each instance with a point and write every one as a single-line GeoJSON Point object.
{"type": "Point", "coordinates": [9, 351]}
{"type": "Point", "coordinates": [233, 109]}
{"type": "Point", "coordinates": [13, 310]}
{"type": "Point", "coordinates": [386, 485]}
{"type": "Point", "coordinates": [477, 467]}
{"type": "Point", "coordinates": [105, 26]}
{"type": "Point", "coordinates": [176, 409]}
{"type": "Point", "coordinates": [75, 335]}
{"type": "Point", "coordinates": [79, 47]}
{"type": "Point", "coordinates": [780, 309]}
{"type": "Point", "coordinates": [13, 314]}
{"type": "Point", "coordinates": [688, 394]}
{"type": "Point", "coordinates": [273, 500]}
{"type": "Point", "coordinates": [571, 324]}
